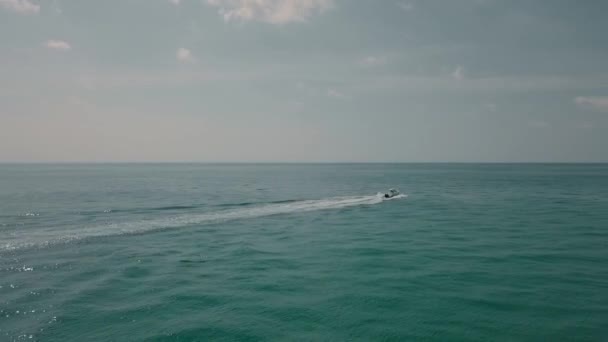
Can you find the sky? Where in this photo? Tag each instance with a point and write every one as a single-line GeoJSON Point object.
{"type": "Point", "coordinates": [303, 81]}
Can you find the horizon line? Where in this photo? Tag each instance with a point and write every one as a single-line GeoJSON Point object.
{"type": "Point", "coordinates": [294, 162]}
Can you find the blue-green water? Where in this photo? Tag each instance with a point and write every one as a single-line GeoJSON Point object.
{"type": "Point", "coordinates": [187, 252]}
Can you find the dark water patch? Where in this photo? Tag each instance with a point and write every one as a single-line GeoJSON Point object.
{"type": "Point", "coordinates": [134, 272]}
{"type": "Point", "coordinates": [208, 334]}
{"type": "Point", "coordinates": [193, 261]}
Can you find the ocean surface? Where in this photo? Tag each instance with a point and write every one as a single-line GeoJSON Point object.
{"type": "Point", "coordinates": [305, 252]}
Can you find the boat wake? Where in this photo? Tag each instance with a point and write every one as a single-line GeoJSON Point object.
{"type": "Point", "coordinates": [137, 227]}
{"type": "Point", "coordinates": [381, 195]}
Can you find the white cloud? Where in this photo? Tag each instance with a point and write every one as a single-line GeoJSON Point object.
{"type": "Point", "coordinates": [491, 107]}
{"type": "Point", "coordinates": [57, 45]}
{"type": "Point", "coordinates": [20, 6]}
{"type": "Point", "coordinates": [270, 11]}
{"type": "Point", "coordinates": [331, 92]}
{"type": "Point", "coordinates": [175, 2]}
{"type": "Point", "coordinates": [596, 102]}
{"type": "Point", "coordinates": [371, 61]}
{"type": "Point", "coordinates": [458, 74]}
{"type": "Point", "coordinates": [56, 8]}
{"type": "Point", "coordinates": [406, 6]}
{"type": "Point", "coordinates": [184, 55]}
{"type": "Point", "coordinates": [482, 85]}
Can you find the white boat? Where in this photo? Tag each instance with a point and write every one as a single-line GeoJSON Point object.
{"type": "Point", "coordinates": [391, 193]}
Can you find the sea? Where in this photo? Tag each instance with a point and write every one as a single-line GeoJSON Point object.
{"type": "Point", "coordinates": [303, 252]}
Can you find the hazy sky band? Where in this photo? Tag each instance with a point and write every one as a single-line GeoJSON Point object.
{"type": "Point", "coordinates": [307, 80]}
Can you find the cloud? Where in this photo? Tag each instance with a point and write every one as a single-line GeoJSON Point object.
{"type": "Point", "coordinates": [406, 6]}
{"type": "Point", "coordinates": [458, 74]}
{"type": "Point", "coordinates": [184, 55]}
{"type": "Point", "coordinates": [20, 6]}
{"type": "Point", "coordinates": [482, 85]}
{"type": "Point", "coordinates": [596, 102]}
{"type": "Point", "coordinates": [371, 61]}
{"type": "Point", "coordinates": [175, 2]}
{"type": "Point", "coordinates": [333, 93]}
{"type": "Point", "coordinates": [491, 107]}
{"type": "Point", "coordinates": [57, 45]}
{"type": "Point", "coordinates": [270, 11]}
{"type": "Point", "coordinates": [56, 8]}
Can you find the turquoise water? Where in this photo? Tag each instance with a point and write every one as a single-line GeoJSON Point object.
{"type": "Point", "coordinates": [197, 252]}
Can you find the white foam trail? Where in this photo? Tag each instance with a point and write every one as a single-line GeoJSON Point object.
{"type": "Point", "coordinates": [196, 219]}
{"type": "Point", "coordinates": [396, 197]}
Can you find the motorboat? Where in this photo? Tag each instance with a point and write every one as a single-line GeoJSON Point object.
{"type": "Point", "coordinates": [391, 193]}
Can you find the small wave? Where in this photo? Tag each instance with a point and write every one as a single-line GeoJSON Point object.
{"type": "Point", "coordinates": [238, 213]}
{"type": "Point", "coordinates": [30, 214]}
{"type": "Point", "coordinates": [175, 207]}
{"type": "Point", "coordinates": [240, 204]}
